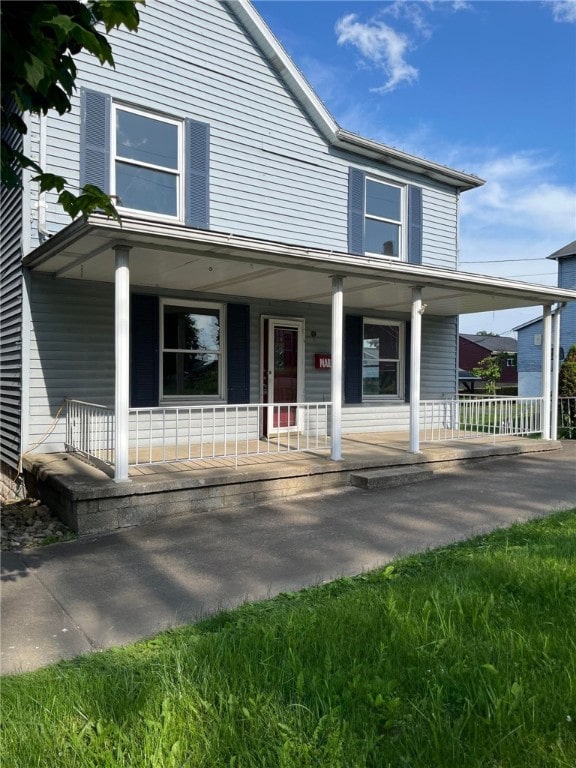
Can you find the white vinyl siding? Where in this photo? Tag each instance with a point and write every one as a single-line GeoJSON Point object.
{"type": "Point", "coordinates": [271, 173]}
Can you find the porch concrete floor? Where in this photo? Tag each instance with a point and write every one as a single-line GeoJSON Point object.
{"type": "Point", "coordinates": [386, 449]}
{"type": "Point", "coordinates": [89, 501]}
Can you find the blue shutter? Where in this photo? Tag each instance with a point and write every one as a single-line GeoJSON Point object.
{"type": "Point", "coordinates": [356, 193]}
{"type": "Point", "coordinates": [238, 353]}
{"type": "Point", "coordinates": [95, 139]}
{"type": "Point", "coordinates": [407, 348]}
{"type": "Point", "coordinates": [144, 351]}
{"type": "Point", "coordinates": [414, 225]}
{"type": "Point", "coordinates": [354, 332]}
{"type": "Point", "coordinates": [197, 170]}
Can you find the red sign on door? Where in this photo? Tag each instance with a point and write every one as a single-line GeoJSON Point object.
{"type": "Point", "coordinates": [323, 361]}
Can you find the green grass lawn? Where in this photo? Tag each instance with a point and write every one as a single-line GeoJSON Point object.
{"type": "Point", "coordinates": [462, 656]}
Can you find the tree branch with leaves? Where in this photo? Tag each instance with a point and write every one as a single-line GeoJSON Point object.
{"type": "Point", "coordinates": [490, 371]}
{"type": "Point", "coordinates": [39, 43]}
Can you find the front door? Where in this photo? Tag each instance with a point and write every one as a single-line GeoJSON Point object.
{"type": "Point", "coordinates": [282, 372]}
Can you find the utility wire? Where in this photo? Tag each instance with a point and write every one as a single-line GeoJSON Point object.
{"type": "Point", "coordinates": [497, 261]}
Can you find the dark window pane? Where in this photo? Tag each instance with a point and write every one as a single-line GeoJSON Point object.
{"type": "Point", "coordinates": [382, 200]}
{"type": "Point", "coordinates": [196, 329]}
{"type": "Point", "coordinates": [145, 190]}
{"type": "Point", "coordinates": [380, 379]}
{"type": "Point", "coordinates": [146, 140]}
{"type": "Point", "coordinates": [190, 374]}
{"type": "Point", "coordinates": [380, 341]}
{"type": "Point", "coordinates": [382, 238]}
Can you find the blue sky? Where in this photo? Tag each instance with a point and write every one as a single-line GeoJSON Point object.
{"type": "Point", "coordinates": [484, 86]}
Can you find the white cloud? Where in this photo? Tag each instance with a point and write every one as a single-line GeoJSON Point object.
{"type": "Point", "coordinates": [564, 10]}
{"type": "Point", "coordinates": [520, 196]}
{"type": "Point", "coordinates": [381, 46]}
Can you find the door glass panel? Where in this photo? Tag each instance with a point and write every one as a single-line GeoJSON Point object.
{"type": "Point", "coordinates": [285, 375]}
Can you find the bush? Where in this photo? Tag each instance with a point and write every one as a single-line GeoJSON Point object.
{"type": "Point", "coordinates": [567, 389]}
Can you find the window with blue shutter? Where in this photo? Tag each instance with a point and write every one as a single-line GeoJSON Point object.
{"type": "Point", "coordinates": [379, 213]}
{"type": "Point", "coordinates": [151, 163]}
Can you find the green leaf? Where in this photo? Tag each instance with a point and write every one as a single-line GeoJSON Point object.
{"type": "Point", "coordinates": [117, 13]}
{"type": "Point", "coordinates": [49, 182]}
{"type": "Point", "coordinates": [35, 70]}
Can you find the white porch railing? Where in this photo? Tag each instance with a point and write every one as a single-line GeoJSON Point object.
{"type": "Point", "coordinates": [474, 417]}
{"type": "Point", "coordinates": [567, 417]}
{"type": "Point", "coordinates": [90, 430]}
{"type": "Point", "coordinates": [185, 433]}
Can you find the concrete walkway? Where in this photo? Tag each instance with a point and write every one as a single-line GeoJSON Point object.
{"type": "Point", "coordinates": [82, 596]}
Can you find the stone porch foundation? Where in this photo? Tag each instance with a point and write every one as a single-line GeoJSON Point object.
{"type": "Point", "coordinates": [89, 502]}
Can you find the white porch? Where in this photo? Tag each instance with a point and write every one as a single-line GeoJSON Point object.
{"type": "Point", "coordinates": [170, 257]}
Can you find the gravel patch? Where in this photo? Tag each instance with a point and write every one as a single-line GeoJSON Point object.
{"type": "Point", "coordinates": [28, 523]}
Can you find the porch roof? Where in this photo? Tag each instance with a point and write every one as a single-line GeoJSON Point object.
{"type": "Point", "coordinates": [171, 256]}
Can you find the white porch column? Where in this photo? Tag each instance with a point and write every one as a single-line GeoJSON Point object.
{"type": "Point", "coordinates": [555, 372]}
{"type": "Point", "coordinates": [336, 369]}
{"type": "Point", "coordinates": [122, 352]}
{"type": "Point", "coordinates": [415, 355]}
{"type": "Point", "coordinates": [546, 377]}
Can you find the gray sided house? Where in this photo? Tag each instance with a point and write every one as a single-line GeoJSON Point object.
{"type": "Point", "coordinates": [530, 334]}
{"type": "Point", "coordinates": [266, 257]}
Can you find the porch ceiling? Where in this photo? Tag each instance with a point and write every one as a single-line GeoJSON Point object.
{"type": "Point", "coordinates": [170, 256]}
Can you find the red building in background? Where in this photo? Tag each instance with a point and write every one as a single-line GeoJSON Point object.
{"type": "Point", "coordinates": [475, 347]}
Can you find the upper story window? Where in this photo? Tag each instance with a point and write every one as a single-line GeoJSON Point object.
{"type": "Point", "coordinates": [147, 162]}
{"type": "Point", "coordinates": [383, 219]}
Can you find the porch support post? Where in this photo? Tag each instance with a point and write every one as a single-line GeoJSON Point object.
{"type": "Point", "coordinates": [555, 372]}
{"type": "Point", "coordinates": [122, 351]}
{"type": "Point", "coordinates": [415, 355]}
{"type": "Point", "coordinates": [336, 369]}
{"type": "Point", "coordinates": [546, 377]}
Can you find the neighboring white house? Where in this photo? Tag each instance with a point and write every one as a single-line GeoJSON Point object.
{"type": "Point", "coordinates": [530, 333]}
{"type": "Point", "coordinates": [258, 238]}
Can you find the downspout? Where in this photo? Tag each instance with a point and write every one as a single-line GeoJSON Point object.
{"type": "Point", "coordinates": [43, 233]}
{"type": "Point", "coordinates": [458, 193]}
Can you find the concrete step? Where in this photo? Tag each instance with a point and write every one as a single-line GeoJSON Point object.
{"type": "Point", "coordinates": [389, 478]}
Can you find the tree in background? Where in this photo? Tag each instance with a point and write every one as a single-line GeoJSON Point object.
{"type": "Point", "coordinates": [489, 370]}
{"type": "Point", "coordinates": [39, 42]}
{"type": "Point", "coordinates": [567, 389]}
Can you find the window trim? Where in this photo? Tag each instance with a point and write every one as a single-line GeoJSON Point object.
{"type": "Point", "coordinates": [179, 173]}
{"type": "Point", "coordinates": [222, 353]}
{"type": "Point", "coordinates": [400, 361]}
{"type": "Point", "coordinates": [401, 223]}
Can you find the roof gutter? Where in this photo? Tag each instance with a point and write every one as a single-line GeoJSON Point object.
{"type": "Point", "coordinates": [463, 181]}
